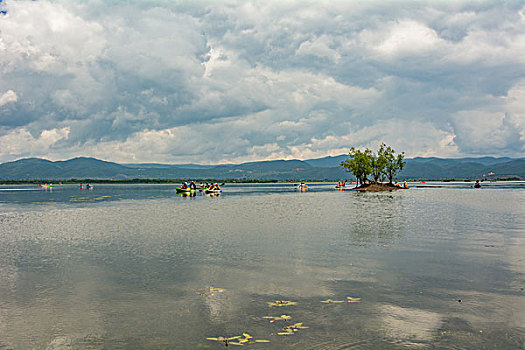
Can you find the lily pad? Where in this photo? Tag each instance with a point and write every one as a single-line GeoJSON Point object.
{"type": "Point", "coordinates": [278, 318]}
{"type": "Point", "coordinates": [281, 303]}
{"type": "Point", "coordinates": [330, 301]}
{"type": "Point", "coordinates": [354, 300]}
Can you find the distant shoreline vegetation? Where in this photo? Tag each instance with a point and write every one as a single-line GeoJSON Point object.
{"type": "Point", "coordinates": [132, 181]}
{"type": "Point", "coordinates": [230, 181]}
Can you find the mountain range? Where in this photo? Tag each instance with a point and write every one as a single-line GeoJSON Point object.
{"type": "Point", "coordinates": [326, 168]}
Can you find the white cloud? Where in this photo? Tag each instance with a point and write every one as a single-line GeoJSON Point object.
{"type": "Point", "coordinates": [499, 129]}
{"type": "Point", "coordinates": [416, 139]}
{"type": "Point", "coordinates": [7, 97]}
{"type": "Point", "coordinates": [49, 37]}
{"type": "Point", "coordinates": [320, 47]}
{"type": "Point", "coordinates": [404, 38]}
{"type": "Point", "coordinates": [21, 142]}
{"type": "Point", "coordinates": [251, 80]}
{"type": "Point", "coordinates": [481, 132]}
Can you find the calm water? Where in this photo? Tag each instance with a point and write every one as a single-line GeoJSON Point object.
{"type": "Point", "coordinates": [131, 266]}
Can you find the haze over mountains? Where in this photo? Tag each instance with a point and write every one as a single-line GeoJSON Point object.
{"type": "Point", "coordinates": [327, 168]}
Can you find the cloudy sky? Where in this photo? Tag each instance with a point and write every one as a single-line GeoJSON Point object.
{"type": "Point", "coordinates": [235, 81]}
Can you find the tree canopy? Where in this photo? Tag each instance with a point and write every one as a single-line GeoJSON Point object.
{"type": "Point", "coordinates": [384, 164]}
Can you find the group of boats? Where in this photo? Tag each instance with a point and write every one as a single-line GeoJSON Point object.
{"type": "Point", "coordinates": [203, 187]}
{"type": "Point", "coordinates": [80, 186]}
{"type": "Point", "coordinates": [45, 185]}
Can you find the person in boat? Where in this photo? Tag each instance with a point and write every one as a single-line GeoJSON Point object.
{"type": "Point", "coordinates": [184, 185]}
{"type": "Point", "coordinates": [216, 187]}
{"type": "Point", "coordinates": [210, 187]}
{"type": "Point", "coordinates": [405, 185]}
{"type": "Point", "coordinates": [477, 184]}
{"type": "Point", "coordinates": [192, 185]}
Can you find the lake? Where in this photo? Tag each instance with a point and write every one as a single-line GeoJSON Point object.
{"type": "Point", "coordinates": [441, 265]}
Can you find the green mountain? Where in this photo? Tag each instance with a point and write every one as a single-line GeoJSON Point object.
{"type": "Point", "coordinates": [327, 161]}
{"type": "Point", "coordinates": [469, 168]}
{"type": "Point", "coordinates": [35, 168]}
{"type": "Point", "coordinates": [327, 168]}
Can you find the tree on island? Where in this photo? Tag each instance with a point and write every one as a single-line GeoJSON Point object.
{"type": "Point", "coordinates": [359, 163]}
{"type": "Point", "coordinates": [393, 164]}
{"type": "Point", "coordinates": [383, 164]}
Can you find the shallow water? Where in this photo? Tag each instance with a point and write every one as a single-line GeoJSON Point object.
{"type": "Point", "coordinates": [121, 266]}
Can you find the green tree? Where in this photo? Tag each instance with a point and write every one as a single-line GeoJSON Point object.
{"type": "Point", "coordinates": [384, 164]}
{"type": "Point", "coordinates": [379, 163]}
{"type": "Point", "coordinates": [359, 163]}
{"type": "Point", "coordinates": [394, 163]}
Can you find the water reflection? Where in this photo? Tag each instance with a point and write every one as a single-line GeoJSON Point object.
{"type": "Point", "coordinates": [126, 274]}
{"type": "Point", "coordinates": [409, 326]}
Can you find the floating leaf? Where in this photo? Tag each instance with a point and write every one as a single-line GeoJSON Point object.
{"type": "Point", "coordinates": [278, 318]}
{"type": "Point", "coordinates": [281, 303]}
{"type": "Point", "coordinates": [241, 340]}
{"type": "Point", "coordinates": [291, 329]}
{"type": "Point", "coordinates": [225, 340]}
{"type": "Point", "coordinates": [329, 301]}
{"type": "Point", "coordinates": [353, 300]}
{"type": "Point", "coordinates": [298, 325]}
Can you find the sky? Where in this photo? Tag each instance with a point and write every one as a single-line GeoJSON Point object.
{"type": "Point", "coordinates": [235, 81]}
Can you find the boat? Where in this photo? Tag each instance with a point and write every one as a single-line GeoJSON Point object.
{"type": "Point", "coordinates": [184, 190]}
{"type": "Point", "coordinates": [214, 191]}
{"type": "Point", "coordinates": [404, 186]}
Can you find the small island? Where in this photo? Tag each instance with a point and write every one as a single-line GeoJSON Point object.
{"type": "Point", "coordinates": [380, 166]}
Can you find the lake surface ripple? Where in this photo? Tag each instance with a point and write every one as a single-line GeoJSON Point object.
{"type": "Point", "coordinates": [131, 267]}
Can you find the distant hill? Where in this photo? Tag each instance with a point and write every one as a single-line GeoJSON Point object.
{"type": "Point", "coordinates": [327, 161]}
{"type": "Point", "coordinates": [327, 168]}
{"type": "Point", "coordinates": [469, 168]}
{"type": "Point", "coordinates": [35, 168]}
